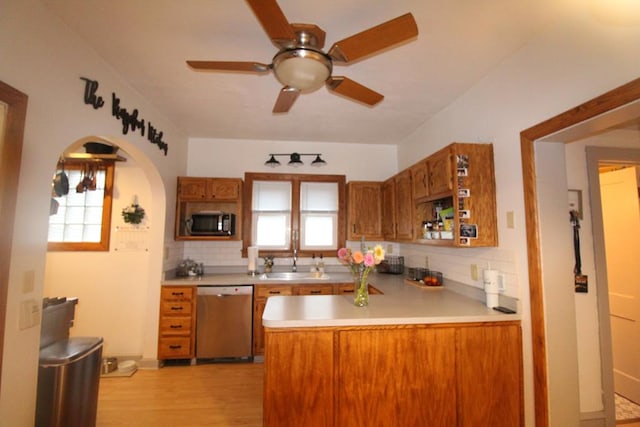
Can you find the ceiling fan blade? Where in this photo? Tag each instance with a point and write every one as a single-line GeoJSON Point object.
{"type": "Point", "coordinates": [254, 67]}
{"type": "Point", "coordinates": [347, 87]}
{"type": "Point", "coordinates": [375, 39]}
{"type": "Point", "coordinates": [273, 21]}
{"type": "Point", "coordinates": [286, 98]}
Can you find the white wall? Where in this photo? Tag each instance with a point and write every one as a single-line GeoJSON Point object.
{"type": "Point", "coordinates": [111, 286]}
{"type": "Point", "coordinates": [232, 158]}
{"type": "Point", "coordinates": [570, 63]}
{"type": "Point", "coordinates": [45, 60]}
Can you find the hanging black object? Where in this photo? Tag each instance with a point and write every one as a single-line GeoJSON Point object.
{"type": "Point", "coordinates": [581, 282]}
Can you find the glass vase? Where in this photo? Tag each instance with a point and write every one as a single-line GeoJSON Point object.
{"type": "Point", "coordinates": [361, 294]}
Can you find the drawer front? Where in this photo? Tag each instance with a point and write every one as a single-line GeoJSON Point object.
{"type": "Point", "coordinates": [344, 288]}
{"type": "Point", "coordinates": [174, 347]}
{"type": "Point", "coordinates": [178, 308]}
{"type": "Point", "coordinates": [267, 291]}
{"type": "Point", "coordinates": [177, 293]}
{"type": "Point", "coordinates": [313, 290]}
{"type": "Point", "coordinates": [175, 325]}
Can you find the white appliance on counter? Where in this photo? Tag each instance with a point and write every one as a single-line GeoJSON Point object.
{"type": "Point", "coordinates": [224, 322]}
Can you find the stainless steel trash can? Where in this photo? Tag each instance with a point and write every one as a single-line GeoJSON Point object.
{"type": "Point", "coordinates": [68, 382]}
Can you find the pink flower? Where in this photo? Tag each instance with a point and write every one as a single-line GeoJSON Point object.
{"type": "Point", "coordinates": [369, 260]}
{"type": "Point", "coordinates": [343, 254]}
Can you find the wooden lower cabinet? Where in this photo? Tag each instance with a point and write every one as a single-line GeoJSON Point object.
{"type": "Point", "coordinates": [396, 375]}
{"type": "Point", "coordinates": [176, 339]}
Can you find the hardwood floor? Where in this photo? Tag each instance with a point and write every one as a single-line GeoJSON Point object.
{"type": "Point", "coordinates": [222, 394]}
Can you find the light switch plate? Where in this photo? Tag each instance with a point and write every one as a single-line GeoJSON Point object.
{"type": "Point", "coordinates": [474, 271]}
{"type": "Point", "coordinates": [29, 314]}
{"type": "Point", "coordinates": [511, 222]}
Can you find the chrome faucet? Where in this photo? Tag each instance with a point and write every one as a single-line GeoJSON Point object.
{"type": "Point", "coordinates": [294, 239]}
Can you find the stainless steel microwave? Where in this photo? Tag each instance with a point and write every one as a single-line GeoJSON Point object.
{"type": "Point", "coordinates": [213, 223]}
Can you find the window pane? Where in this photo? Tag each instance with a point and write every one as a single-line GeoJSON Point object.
{"type": "Point", "coordinates": [319, 231]}
{"type": "Point", "coordinates": [92, 233]}
{"type": "Point", "coordinates": [319, 196]}
{"type": "Point", "coordinates": [56, 232]}
{"type": "Point", "coordinates": [271, 231]}
{"type": "Point", "coordinates": [271, 196]}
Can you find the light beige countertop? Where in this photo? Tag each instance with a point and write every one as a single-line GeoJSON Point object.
{"type": "Point", "coordinates": [400, 303]}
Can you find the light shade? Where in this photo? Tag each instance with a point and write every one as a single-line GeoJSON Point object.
{"type": "Point", "coordinates": [272, 162]}
{"type": "Point", "coordinates": [318, 161]}
{"type": "Point", "coordinates": [302, 69]}
{"type": "Point", "coordinates": [295, 160]}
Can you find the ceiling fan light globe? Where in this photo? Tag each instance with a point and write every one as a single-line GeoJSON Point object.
{"type": "Point", "coordinates": [302, 69]}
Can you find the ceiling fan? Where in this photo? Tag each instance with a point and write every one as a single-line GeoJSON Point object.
{"type": "Point", "coordinates": [300, 63]}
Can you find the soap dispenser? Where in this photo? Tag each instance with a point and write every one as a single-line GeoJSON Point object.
{"type": "Point", "coordinates": [320, 265]}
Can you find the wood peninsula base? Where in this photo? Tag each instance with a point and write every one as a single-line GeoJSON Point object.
{"type": "Point", "coordinates": [455, 374]}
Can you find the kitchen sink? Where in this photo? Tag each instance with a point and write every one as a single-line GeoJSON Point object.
{"type": "Point", "coordinates": [293, 276]}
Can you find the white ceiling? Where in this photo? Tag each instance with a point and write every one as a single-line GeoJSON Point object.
{"type": "Point", "coordinates": [148, 41]}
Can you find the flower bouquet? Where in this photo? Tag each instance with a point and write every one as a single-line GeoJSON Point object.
{"type": "Point", "coordinates": [361, 263]}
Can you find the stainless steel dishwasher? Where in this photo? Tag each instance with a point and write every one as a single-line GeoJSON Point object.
{"type": "Point", "coordinates": [224, 322]}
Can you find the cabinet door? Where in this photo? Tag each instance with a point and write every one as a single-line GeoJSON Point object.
{"type": "Point", "coordinates": [419, 180]}
{"type": "Point", "coordinates": [364, 210]}
{"type": "Point", "coordinates": [404, 206]}
{"type": "Point", "coordinates": [440, 172]}
{"type": "Point", "coordinates": [490, 376]}
{"type": "Point", "coordinates": [258, 329]}
{"type": "Point", "coordinates": [190, 188]}
{"type": "Point", "coordinates": [225, 189]}
{"type": "Point", "coordinates": [299, 380]}
{"type": "Point", "coordinates": [389, 209]}
{"type": "Point", "coordinates": [397, 377]}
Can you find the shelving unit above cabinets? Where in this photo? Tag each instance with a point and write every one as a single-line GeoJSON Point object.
{"type": "Point", "coordinates": [460, 202]}
{"type": "Point", "coordinates": [209, 195]}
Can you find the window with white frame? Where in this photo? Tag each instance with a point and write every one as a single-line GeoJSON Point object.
{"type": "Point", "coordinates": [318, 216]}
{"type": "Point", "coordinates": [271, 214]}
{"type": "Point", "coordinates": [286, 205]}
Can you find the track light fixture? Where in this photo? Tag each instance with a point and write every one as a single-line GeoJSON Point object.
{"type": "Point", "coordinates": [294, 159]}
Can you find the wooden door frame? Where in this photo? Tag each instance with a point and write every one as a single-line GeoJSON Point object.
{"type": "Point", "coordinates": [613, 99]}
{"type": "Point", "coordinates": [10, 159]}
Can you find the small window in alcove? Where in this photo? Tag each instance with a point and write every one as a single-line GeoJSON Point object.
{"type": "Point", "coordinates": [80, 220]}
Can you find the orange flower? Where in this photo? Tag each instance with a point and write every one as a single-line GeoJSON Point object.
{"type": "Point", "coordinates": [358, 257]}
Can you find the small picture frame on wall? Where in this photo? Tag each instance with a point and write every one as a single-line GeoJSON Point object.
{"type": "Point", "coordinates": [575, 202]}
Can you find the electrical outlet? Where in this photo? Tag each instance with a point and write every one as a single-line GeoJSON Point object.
{"type": "Point", "coordinates": [474, 271]}
{"type": "Point", "coordinates": [426, 262]}
{"type": "Point", "coordinates": [389, 249]}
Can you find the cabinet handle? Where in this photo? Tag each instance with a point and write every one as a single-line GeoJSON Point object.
{"type": "Point", "coordinates": [175, 326]}
{"type": "Point", "coordinates": [315, 292]}
{"type": "Point", "coordinates": [177, 307]}
{"type": "Point", "coordinates": [175, 347]}
{"type": "Point", "coordinates": [177, 294]}
{"type": "Point", "coordinates": [353, 227]}
{"type": "Point", "coordinates": [274, 292]}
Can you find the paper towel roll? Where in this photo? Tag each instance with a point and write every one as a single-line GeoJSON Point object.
{"type": "Point", "coordinates": [491, 280]}
{"type": "Point", "coordinates": [252, 255]}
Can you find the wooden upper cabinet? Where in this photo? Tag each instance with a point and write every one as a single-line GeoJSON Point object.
{"type": "Point", "coordinates": [196, 194]}
{"type": "Point", "coordinates": [440, 172]}
{"type": "Point", "coordinates": [364, 210]}
{"type": "Point", "coordinates": [200, 189]}
{"type": "Point", "coordinates": [420, 180]}
{"type": "Point", "coordinates": [404, 206]}
{"type": "Point", "coordinates": [389, 209]}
